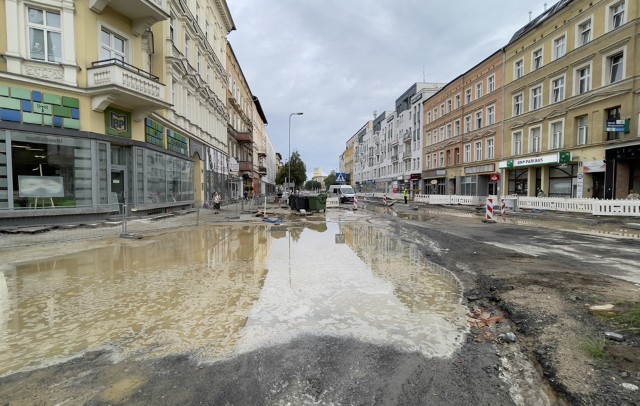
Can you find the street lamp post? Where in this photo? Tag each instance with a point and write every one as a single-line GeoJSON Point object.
{"type": "Point", "coordinates": [289, 166]}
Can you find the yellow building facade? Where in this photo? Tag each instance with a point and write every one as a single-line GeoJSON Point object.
{"type": "Point", "coordinates": [572, 104]}
{"type": "Point", "coordinates": [111, 103]}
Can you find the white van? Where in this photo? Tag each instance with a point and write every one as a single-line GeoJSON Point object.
{"type": "Point", "coordinates": [344, 192]}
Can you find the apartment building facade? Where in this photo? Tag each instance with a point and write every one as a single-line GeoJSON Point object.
{"type": "Point", "coordinates": [572, 102]}
{"type": "Point", "coordinates": [463, 132]}
{"type": "Point", "coordinates": [389, 156]}
{"type": "Point", "coordinates": [110, 103]}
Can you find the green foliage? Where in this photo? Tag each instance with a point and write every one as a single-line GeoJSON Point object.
{"type": "Point", "coordinates": [330, 179]}
{"type": "Point", "coordinates": [312, 185]}
{"type": "Point", "coordinates": [298, 171]}
{"type": "Point", "coordinates": [594, 346]}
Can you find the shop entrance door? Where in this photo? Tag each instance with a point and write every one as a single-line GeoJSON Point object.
{"type": "Point", "coordinates": [118, 186]}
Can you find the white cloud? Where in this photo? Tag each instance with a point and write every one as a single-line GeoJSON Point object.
{"type": "Point", "coordinates": [339, 60]}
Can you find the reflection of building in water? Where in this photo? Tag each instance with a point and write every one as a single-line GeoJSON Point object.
{"type": "Point", "coordinates": [177, 292]}
{"type": "Point", "coordinates": [421, 285]}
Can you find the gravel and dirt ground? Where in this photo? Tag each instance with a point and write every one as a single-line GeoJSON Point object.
{"type": "Point", "coordinates": [542, 294]}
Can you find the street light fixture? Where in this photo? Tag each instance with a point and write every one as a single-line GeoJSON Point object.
{"type": "Point", "coordinates": [289, 166]}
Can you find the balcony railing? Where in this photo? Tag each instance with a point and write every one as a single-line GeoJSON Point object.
{"type": "Point", "coordinates": [262, 170]}
{"type": "Point", "coordinates": [133, 86]}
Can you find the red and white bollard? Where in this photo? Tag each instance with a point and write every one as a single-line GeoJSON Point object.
{"type": "Point", "coordinates": [384, 199]}
{"type": "Point", "coordinates": [355, 203]}
{"type": "Point", "coordinates": [489, 217]}
{"type": "Point", "coordinates": [503, 206]}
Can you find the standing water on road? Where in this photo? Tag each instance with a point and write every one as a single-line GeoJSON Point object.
{"type": "Point", "coordinates": [225, 289]}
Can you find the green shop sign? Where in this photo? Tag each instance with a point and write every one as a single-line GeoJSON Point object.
{"type": "Point", "coordinates": [117, 122]}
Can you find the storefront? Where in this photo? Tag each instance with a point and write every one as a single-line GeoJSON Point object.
{"type": "Point", "coordinates": [63, 172]}
{"type": "Point", "coordinates": [217, 175]}
{"type": "Point", "coordinates": [622, 170]}
{"type": "Point", "coordinates": [479, 180]}
{"type": "Point", "coordinates": [435, 182]}
{"type": "Point", "coordinates": [553, 174]}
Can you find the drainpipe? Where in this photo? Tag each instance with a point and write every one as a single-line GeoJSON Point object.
{"type": "Point", "coordinates": [504, 79]}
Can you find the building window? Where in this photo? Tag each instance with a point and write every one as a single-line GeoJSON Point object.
{"type": "Point", "coordinates": [556, 141]}
{"type": "Point", "coordinates": [467, 153]}
{"type": "Point", "coordinates": [584, 33]}
{"type": "Point", "coordinates": [536, 59]}
{"type": "Point", "coordinates": [536, 139]}
{"type": "Point", "coordinates": [478, 90]}
{"type": "Point", "coordinates": [457, 101]}
{"type": "Point", "coordinates": [45, 35]}
{"type": "Point", "coordinates": [449, 129]}
{"type": "Point", "coordinates": [467, 124]}
{"type": "Point", "coordinates": [457, 156]}
{"type": "Point", "coordinates": [449, 106]}
{"type": "Point", "coordinates": [478, 119]}
{"type": "Point", "coordinates": [442, 138]}
{"type": "Point", "coordinates": [435, 114]}
{"type": "Point", "coordinates": [536, 98]}
{"type": "Point", "coordinates": [478, 150]}
{"type": "Point", "coordinates": [442, 110]}
{"type": "Point", "coordinates": [583, 129]}
{"type": "Point", "coordinates": [467, 96]}
{"type": "Point", "coordinates": [428, 117]}
{"type": "Point", "coordinates": [616, 15]}
{"type": "Point", "coordinates": [428, 138]}
{"type": "Point", "coordinates": [441, 159]}
{"type": "Point", "coordinates": [583, 77]}
{"type": "Point", "coordinates": [435, 136]}
{"type": "Point", "coordinates": [490, 149]}
{"type": "Point", "coordinates": [187, 41]}
{"type": "Point", "coordinates": [613, 113]}
{"type": "Point", "coordinates": [491, 115]}
{"type": "Point", "coordinates": [518, 70]}
{"type": "Point", "coordinates": [557, 90]}
{"type": "Point", "coordinates": [517, 143]}
{"type": "Point", "coordinates": [112, 46]}
{"type": "Point", "coordinates": [559, 47]}
{"type": "Point", "coordinates": [491, 83]}
{"type": "Point", "coordinates": [518, 104]}
{"type": "Point", "coordinates": [457, 127]}
{"type": "Point", "coordinates": [615, 67]}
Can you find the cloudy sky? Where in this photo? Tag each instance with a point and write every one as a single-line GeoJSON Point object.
{"type": "Point", "coordinates": [338, 61]}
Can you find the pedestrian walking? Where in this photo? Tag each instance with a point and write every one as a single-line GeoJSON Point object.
{"type": "Point", "coordinates": [406, 196]}
{"type": "Point", "coordinates": [216, 201]}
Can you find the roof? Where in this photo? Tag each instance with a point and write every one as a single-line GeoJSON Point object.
{"type": "Point", "coordinates": [533, 24]}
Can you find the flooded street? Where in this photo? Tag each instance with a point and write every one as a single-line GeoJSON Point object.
{"type": "Point", "coordinates": [219, 291]}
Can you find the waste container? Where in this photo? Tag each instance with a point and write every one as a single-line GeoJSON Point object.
{"type": "Point", "coordinates": [318, 202]}
{"type": "Point", "coordinates": [293, 202]}
{"type": "Point", "coordinates": [302, 203]}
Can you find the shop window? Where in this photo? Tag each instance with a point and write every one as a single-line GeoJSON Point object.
{"type": "Point", "coordinates": [468, 185]}
{"type": "Point", "coordinates": [518, 182]}
{"type": "Point", "coordinates": [51, 172]}
{"type": "Point", "coordinates": [563, 180]}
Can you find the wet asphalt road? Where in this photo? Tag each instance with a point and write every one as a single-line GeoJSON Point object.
{"type": "Point", "coordinates": [328, 370]}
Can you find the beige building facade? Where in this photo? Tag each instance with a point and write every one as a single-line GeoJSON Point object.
{"type": "Point", "coordinates": [572, 102]}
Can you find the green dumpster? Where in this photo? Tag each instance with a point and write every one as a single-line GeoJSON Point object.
{"type": "Point", "coordinates": [318, 202]}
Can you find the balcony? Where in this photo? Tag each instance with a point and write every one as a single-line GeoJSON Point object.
{"type": "Point", "coordinates": [244, 136]}
{"type": "Point", "coordinates": [394, 157]}
{"type": "Point", "coordinates": [142, 13]}
{"type": "Point", "coordinates": [113, 80]}
{"type": "Point", "coordinates": [262, 154]}
{"type": "Point", "coordinates": [245, 166]}
{"type": "Point", "coordinates": [262, 170]}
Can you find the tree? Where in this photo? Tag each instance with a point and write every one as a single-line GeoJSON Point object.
{"type": "Point", "coordinates": [298, 171]}
{"type": "Point", "coordinates": [312, 185]}
{"type": "Point", "coordinates": [330, 179]}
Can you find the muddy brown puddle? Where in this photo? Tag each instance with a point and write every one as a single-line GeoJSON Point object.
{"type": "Point", "coordinates": [222, 290]}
